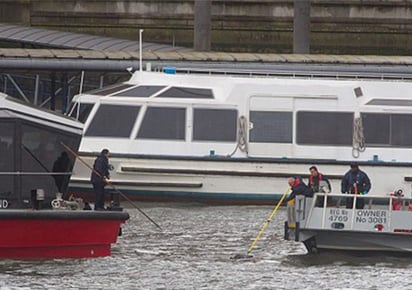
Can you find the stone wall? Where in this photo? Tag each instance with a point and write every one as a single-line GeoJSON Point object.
{"type": "Point", "coordinates": [337, 26]}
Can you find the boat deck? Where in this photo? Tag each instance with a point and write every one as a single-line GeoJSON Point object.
{"type": "Point", "coordinates": [383, 224]}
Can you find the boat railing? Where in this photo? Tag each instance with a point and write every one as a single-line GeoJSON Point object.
{"type": "Point", "coordinates": [377, 210]}
{"type": "Point", "coordinates": [316, 73]}
{"type": "Point", "coordinates": [17, 173]}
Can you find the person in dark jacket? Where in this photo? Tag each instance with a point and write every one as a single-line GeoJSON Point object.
{"type": "Point", "coordinates": [318, 183]}
{"type": "Point", "coordinates": [298, 188]}
{"type": "Point", "coordinates": [99, 177]}
{"type": "Point", "coordinates": [62, 164]}
{"type": "Point", "coordinates": [355, 181]}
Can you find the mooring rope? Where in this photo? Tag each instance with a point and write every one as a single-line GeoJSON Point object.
{"type": "Point", "coordinates": [358, 139]}
{"type": "Point", "coordinates": [241, 143]}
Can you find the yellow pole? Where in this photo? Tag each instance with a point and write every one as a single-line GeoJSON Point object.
{"type": "Point", "coordinates": [267, 221]}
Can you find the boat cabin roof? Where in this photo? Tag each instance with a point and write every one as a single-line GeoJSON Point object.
{"type": "Point", "coordinates": [11, 108]}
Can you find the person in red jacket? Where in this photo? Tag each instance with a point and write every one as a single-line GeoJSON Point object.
{"type": "Point", "coordinates": [318, 183]}
{"type": "Point", "coordinates": [298, 188]}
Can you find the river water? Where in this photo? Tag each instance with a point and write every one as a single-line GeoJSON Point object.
{"type": "Point", "coordinates": [195, 250]}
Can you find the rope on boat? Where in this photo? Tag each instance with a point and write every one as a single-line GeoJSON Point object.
{"type": "Point", "coordinates": [358, 139]}
{"type": "Point", "coordinates": [241, 136]}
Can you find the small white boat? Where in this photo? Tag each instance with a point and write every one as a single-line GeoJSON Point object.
{"type": "Point", "coordinates": [236, 139]}
{"type": "Point", "coordinates": [383, 225]}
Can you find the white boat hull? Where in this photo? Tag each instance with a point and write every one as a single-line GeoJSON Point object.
{"type": "Point", "coordinates": [222, 179]}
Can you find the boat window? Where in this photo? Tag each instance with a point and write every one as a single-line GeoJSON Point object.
{"type": "Point", "coordinates": [387, 129]}
{"type": "Point", "coordinates": [140, 91]}
{"type": "Point", "coordinates": [163, 123]}
{"type": "Point", "coordinates": [187, 93]}
{"type": "Point", "coordinates": [376, 128]}
{"type": "Point", "coordinates": [7, 160]}
{"type": "Point", "coordinates": [214, 125]}
{"type": "Point", "coordinates": [40, 148]}
{"type": "Point", "coordinates": [324, 128]}
{"type": "Point", "coordinates": [273, 127]}
{"type": "Point", "coordinates": [109, 89]}
{"type": "Point", "coordinates": [401, 130]}
{"type": "Point", "coordinates": [390, 102]}
{"type": "Point", "coordinates": [84, 111]}
{"type": "Point", "coordinates": [113, 121]}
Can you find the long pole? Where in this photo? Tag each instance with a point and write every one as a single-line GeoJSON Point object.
{"type": "Point", "coordinates": [35, 158]}
{"type": "Point", "coordinates": [140, 49]}
{"type": "Point", "coordinates": [111, 184]}
{"type": "Point", "coordinates": [265, 225]}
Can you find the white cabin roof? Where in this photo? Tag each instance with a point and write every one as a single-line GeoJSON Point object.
{"type": "Point", "coordinates": [14, 108]}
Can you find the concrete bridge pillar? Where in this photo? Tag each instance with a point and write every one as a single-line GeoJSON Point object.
{"type": "Point", "coordinates": [301, 26]}
{"type": "Point", "coordinates": [203, 24]}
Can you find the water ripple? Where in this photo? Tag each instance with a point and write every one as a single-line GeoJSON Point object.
{"type": "Point", "coordinates": [195, 250]}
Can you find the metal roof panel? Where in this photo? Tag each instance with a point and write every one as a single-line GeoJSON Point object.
{"type": "Point", "coordinates": [61, 39]}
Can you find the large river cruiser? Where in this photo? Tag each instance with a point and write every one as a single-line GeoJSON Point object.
{"type": "Point", "coordinates": [236, 139]}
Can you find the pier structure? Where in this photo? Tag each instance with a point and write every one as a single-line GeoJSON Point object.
{"type": "Point", "coordinates": [50, 65]}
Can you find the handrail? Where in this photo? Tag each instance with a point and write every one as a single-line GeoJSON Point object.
{"type": "Point", "coordinates": [34, 173]}
{"type": "Point", "coordinates": [313, 74]}
{"type": "Point", "coordinates": [363, 196]}
{"type": "Point", "coordinates": [389, 198]}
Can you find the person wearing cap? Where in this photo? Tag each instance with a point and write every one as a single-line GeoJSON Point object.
{"type": "Point", "coordinates": [355, 181]}
{"type": "Point", "coordinates": [298, 188]}
{"type": "Point", "coordinates": [99, 177]}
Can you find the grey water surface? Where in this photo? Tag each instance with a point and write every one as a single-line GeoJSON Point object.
{"type": "Point", "coordinates": [195, 250]}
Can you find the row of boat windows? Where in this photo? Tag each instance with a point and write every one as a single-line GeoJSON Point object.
{"type": "Point", "coordinates": [312, 128]}
{"type": "Point", "coordinates": [331, 128]}
{"type": "Point", "coordinates": [164, 123]}
{"type": "Point", "coordinates": [127, 90]}
{"type": "Point", "coordinates": [29, 148]}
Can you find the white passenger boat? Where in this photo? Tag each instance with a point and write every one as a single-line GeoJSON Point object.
{"type": "Point", "coordinates": [383, 225]}
{"type": "Point", "coordinates": [236, 139]}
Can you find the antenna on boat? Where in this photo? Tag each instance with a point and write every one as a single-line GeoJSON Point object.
{"type": "Point", "coordinates": [80, 94]}
{"type": "Point", "coordinates": [140, 49]}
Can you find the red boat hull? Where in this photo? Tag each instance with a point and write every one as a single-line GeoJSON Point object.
{"type": "Point", "coordinates": [58, 234]}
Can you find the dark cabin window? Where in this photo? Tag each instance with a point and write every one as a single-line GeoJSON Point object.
{"type": "Point", "coordinates": [140, 91]}
{"type": "Point", "coordinates": [214, 125]}
{"type": "Point", "coordinates": [187, 93]}
{"type": "Point", "coordinates": [387, 129]}
{"type": "Point", "coordinates": [163, 123]}
{"type": "Point", "coordinates": [41, 147]}
{"type": "Point", "coordinates": [109, 89]}
{"type": "Point", "coordinates": [376, 128]}
{"type": "Point", "coordinates": [7, 160]}
{"type": "Point", "coordinates": [271, 127]}
{"type": "Point", "coordinates": [401, 130]}
{"type": "Point", "coordinates": [113, 121]}
{"type": "Point", "coordinates": [324, 128]}
{"type": "Point", "coordinates": [84, 111]}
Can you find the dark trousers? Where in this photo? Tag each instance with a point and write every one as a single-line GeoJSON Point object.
{"type": "Point", "coordinates": [98, 188]}
{"type": "Point", "coordinates": [360, 203]}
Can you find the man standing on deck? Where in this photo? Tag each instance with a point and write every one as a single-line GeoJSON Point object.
{"type": "Point", "coordinates": [355, 181]}
{"type": "Point", "coordinates": [318, 183]}
{"type": "Point", "coordinates": [99, 177]}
